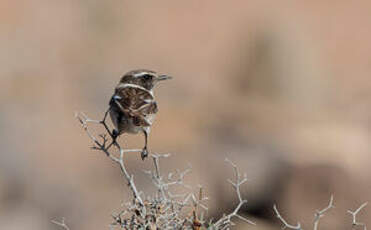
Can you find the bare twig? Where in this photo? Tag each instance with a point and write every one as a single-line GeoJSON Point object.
{"type": "Point", "coordinates": [61, 223]}
{"type": "Point", "coordinates": [226, 221]}
{"type": "Point", "coordinates": [102, 146]}
{"type": "Point", "coordinates": [157, 175]}
{"type": "Point", "coordinates": [354, 216]}
{"type": "Point", "coordinates": [319, 214]}
{"type": "Point", "coordinates": [284, 222]}
{"type": "Point", "coordinates": [168, 211]}
{"type": "Point", "coordinates": [163, 210]}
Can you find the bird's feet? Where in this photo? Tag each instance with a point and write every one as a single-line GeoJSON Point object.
{"type": "Point", "coordinates": [115, 134]}
{"type": "Point", "coordinates": [144, 153]}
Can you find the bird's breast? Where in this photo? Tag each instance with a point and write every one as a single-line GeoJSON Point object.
{"type": "Point", "coordinates": [150, 118]}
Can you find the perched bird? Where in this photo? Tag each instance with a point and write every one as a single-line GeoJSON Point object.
{"type": "Point", "coordinates": [133, 106]}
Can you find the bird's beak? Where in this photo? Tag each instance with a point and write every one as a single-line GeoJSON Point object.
{"type": "Point", "coordinates": [163, 77]}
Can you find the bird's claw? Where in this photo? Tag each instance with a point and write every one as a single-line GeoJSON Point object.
{"type": "Point", "coordinates": [144, 153]}
{"type": "Point", "coordinates": [115, 134]}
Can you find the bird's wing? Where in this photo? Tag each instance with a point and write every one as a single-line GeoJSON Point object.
{"type": "Point", "coordinates": [136, 102]}
{"type": "Point", "coordinates": [145, 115]}
{"type": "Point", "coordinates": [132, 97]}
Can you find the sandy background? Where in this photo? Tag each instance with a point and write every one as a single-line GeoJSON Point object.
{"type": "Point", "coordinates": [282, 88]}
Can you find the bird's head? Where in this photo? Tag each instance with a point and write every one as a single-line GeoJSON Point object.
{"type": "Point", "coordinates": [144, 78]}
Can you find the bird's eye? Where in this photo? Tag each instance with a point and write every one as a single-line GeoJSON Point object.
{"type": "Point", "coordinates": [147, 77]}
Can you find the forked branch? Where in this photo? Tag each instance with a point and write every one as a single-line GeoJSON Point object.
{"type": "Point", "coordinates": [226, 221]}
{"type": "Point", "coordinates": [319, 214]}
{"type": "Point", "coordinates": [101, 145]}
{"type": "Point", "coordinates": [354, 216]}
{"type": "Point", "coordinates": [61, 224]}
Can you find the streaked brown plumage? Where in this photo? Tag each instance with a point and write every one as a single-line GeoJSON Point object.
{"type": "Point", "coordinates": [133, 107]}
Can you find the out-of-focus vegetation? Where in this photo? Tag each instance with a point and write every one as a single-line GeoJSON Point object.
{"type": "Point", "coordinates": [282, 88]}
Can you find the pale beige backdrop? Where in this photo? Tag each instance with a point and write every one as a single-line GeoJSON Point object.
{"type": "Point", "coordinates": [281, 87]}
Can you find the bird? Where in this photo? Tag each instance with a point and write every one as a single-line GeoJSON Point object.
{"type": "Point", "coordinates": [133, 107]}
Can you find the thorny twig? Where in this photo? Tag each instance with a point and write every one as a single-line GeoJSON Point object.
{"type": "Point", "coordinates": [319, 214]}
{"type": "Point", "coordinates": [285, 224]}
{"type": "Point", "coordinates": [225, 222]}
{"type": "Point", "coordinates": [102, 146]}
{"type": "Point", "coordinates": [164, 210]}
{"type": "Point", "coordinates": [354, 216]}
{"type": "Point", "coordinates": [61, 223]}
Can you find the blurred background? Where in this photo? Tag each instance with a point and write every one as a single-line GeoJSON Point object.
{"type": "Point", "coordinates": [282, 88]}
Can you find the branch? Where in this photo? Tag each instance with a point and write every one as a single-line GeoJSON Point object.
{"type": "Point", "coordinates": [226, 221]}
{"type": "Point", "coordinates": [62, 224]}
{"type": "Point", "coordinates": [319, 214]}
{"type": "Point", "coordinates": [101, 145]}
{"type": "Point", "coordinates": [285, 224]}
{"type": "Point", "coordinates": [354, 216]}
{"type": "Point", "coordinates": [157, 175]}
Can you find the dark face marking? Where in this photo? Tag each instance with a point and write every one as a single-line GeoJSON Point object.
{"type": "Point", "coordinates": [147, 77]}
{"type": "Point", "coordinates": [146, 81]}
{"type": "Point", "coordinates": [144, 78]}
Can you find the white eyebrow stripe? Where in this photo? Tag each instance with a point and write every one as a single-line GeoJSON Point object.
{"type": "Point", "coordinates": [143, 73]}
{"type": "Point", "coordinates": [128, 85]}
